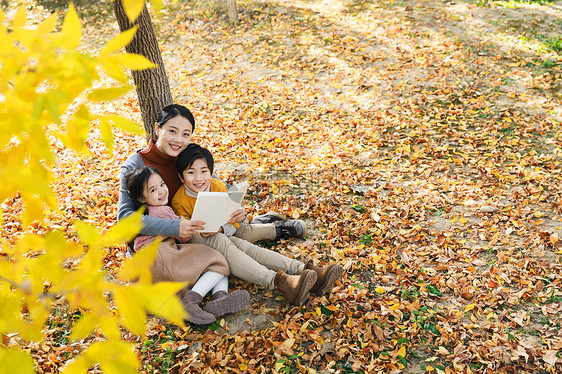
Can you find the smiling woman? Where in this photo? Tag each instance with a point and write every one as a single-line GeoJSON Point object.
{"type": "Point", "coordinates": [249, 262]}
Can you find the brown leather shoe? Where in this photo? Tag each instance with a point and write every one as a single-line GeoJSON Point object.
{"type": "Point", "coordinates": [326, 276]}
{"type": "Point", "coordinates": [295, 288]}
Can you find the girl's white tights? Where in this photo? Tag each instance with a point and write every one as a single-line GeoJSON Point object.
{"type": "Point", "coordinates": [210, 281]}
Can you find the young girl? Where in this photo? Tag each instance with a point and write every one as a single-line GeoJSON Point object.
{"type": "Point", "coordinates": [208, 270]}
{"type": "Point", "coordinates": [292, 278]}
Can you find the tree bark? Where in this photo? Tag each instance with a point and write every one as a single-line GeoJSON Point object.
{"type": "Point", "coordinates": [232, 11]}
{"type": "Point", "coordinates": [153, 88]}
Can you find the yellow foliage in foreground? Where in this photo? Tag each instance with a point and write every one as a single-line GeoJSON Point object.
{"type": "Point", "coordinates": [43, 77]}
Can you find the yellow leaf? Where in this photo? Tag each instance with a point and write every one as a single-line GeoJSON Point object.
{"type": "Point", "coordinates": [131, 309]}
{"type": "Point", "coordinates": [133, 8]}
{"type": "Point", "coordinates": [469, 307]}
{"type": "Point", "coordinates": [112, 93]}
{"type": "Point", "coordinates": [161, 299]}
{"type": "Point", "coordinates": [379, 290]}
{"type": "Point", "coordinates": [157, 5]}
{"type": "Point", "coordinates": [14, 360]}
{"type": "Point", "coordinates": [402, 351]}
{"type": "Point", "coordinates": [125, 230]}
{"type": "Point", "coordinates": [106, 134]}
{"type": "Point", "coordinates": [289, 342]}
{"type": "Point", "coordinates": [138, 266]}
{"type": "Point", "coordinates": [71, 30]}
{"type": "Point", "coordinates": [333, 308]}
{"type": "Point", "coordinates": [77, 131]}
{"type": "Point", "coordinates": [125, 124]}
{"type": "Point", "coordinates": [20, 19]}
{"type": "Point", "coordinates": [133, 61]}
{"type": "Point", "coordinates": [113, 69]}
{"type": "Point", "coordinates": [48, 25]}
{"type": "Point", "coordinates": [120, 41]}
{"type": "Point", "coordinates": [113, 357]}
{"type": "Point", "coordinates": [88, 234]}
{"type": "Point", "coordinates": [84, 327]}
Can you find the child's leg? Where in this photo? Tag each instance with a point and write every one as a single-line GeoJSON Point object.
{"type": "Point", "coordinates": [193, 297]}
{"type": "Point", "coordinates": [241, 265]}
{"type": "Point", "coordinates": [207, 281]}
{"type": "Point", "coordinates": [223, 302]}
{"type": "Point", "coordinates": [221, 286]}
{"type": "Point", "coordinates": [256, 232]}
{"type": "Point", "coordinates": [270, 259]}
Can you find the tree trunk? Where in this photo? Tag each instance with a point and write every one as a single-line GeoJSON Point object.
{"type": "Point", "coordinates": [232, 11]}
{"type": "Point", "coordinates": [153, 88]}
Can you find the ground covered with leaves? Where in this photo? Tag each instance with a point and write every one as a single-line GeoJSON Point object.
{"type": "Point", "coordinates": [421, 143]}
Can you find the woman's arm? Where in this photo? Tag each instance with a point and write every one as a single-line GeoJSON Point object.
{"type": "Point", "coordinates": [152, 225]}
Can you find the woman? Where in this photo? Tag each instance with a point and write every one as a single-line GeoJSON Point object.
{"type": "Point", "coordinates": [173, 133]}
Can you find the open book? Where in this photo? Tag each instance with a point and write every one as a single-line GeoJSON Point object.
{"type": "Point", "coordinates": [215, 208]}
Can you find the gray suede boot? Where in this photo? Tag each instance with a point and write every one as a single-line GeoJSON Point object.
{"type": "Point", "coordinates": [197, 316]}
{"type": "Point", "coordinates": [223, 302]}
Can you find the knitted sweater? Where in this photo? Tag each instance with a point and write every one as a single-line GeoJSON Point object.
{"type": "Point", "coordinates": [183, 203]}
{"type": "Point", "coordinates": [152, 226]}
{"type": "Point", "coordinates": [162, 211]}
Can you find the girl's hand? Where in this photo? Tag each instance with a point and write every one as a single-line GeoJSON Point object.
{"type": "Point", "coordinates": [189, 227]}
{"type": "Point", "coordinates": [207, 234]}
{"type": "Point", "coordinates": [238, 215]}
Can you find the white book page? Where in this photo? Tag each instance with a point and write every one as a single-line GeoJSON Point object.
{"type": "Point", "coordinates": [215, 208]}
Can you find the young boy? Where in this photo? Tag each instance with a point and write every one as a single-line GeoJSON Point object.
{"type": "Point", "coordinates": [258, 265]}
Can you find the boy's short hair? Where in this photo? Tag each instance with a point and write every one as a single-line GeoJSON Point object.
{"type": "Point", "coordinates": [192, 153]}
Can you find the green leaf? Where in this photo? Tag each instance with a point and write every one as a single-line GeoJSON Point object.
{"type": "Point", "coordinates": [325, 310]}
{"type": "Point", "coordinates": [432, 290]}
{"type": "Point", "coordinates": [112, 93]}
{"type": "Point", "coordinates": [120, 41]}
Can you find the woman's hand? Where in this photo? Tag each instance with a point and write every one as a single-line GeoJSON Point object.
{"type": "Point", "coordinates": [239, 215]}
{"type": "Point", "coordinates": [190, 227]}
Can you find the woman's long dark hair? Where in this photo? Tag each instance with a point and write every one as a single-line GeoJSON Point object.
{"type": "Point", "coordinates": [136, 180]}
{"type": "Point", "coordinates": [172, 111]}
